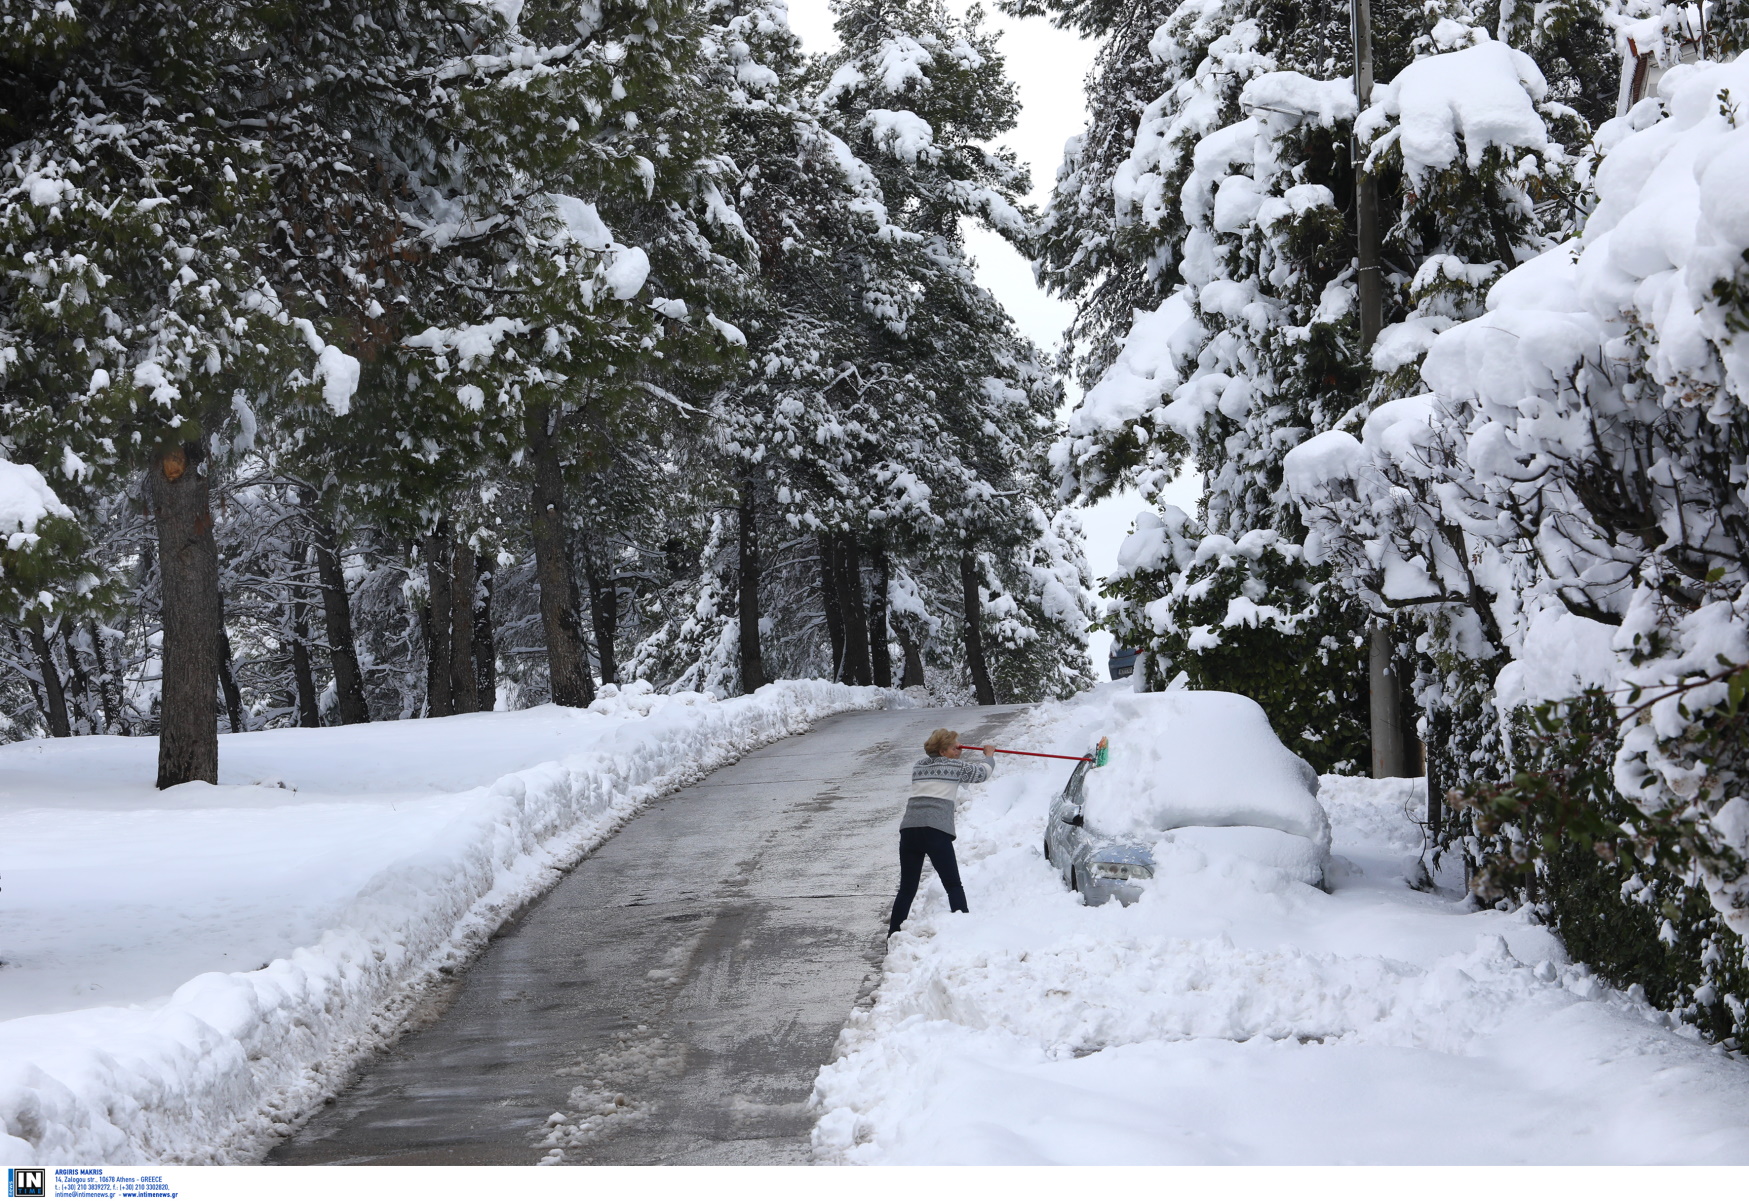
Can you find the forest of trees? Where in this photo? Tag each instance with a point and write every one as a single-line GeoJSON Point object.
{"type": "Point", "coordinates": [366, 361]}
{"type": "Point", "coordinates": [1508, 499]}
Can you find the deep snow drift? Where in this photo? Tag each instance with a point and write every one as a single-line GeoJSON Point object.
{"type": "Point", "coordinates": [186, 971]}
{"type": "Point", "coordinates": [1176, 768]}
{"type": "Point", "coordinates": [1235, 1015]}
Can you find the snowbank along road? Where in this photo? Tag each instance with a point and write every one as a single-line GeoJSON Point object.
{"type": "Point", "coordinates": [361, 866]}
{"type": "Point", "coordinates": [671, 1000]}
{"type": "Point", "coordinates": [1236, 1015]}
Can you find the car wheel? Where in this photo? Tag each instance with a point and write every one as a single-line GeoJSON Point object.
{"type": "Point", "coordinates": [1047, 850]}
{"type": "Point", "coordinates": [1074, 881]}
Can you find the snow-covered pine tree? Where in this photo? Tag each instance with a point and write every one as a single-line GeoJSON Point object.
{"type": "Point", "coordinates": [138, 322]}
{"type": "Point", "coordinates": [42, 564]}
{"type": "Point", "coordinates": [1268, 294]}
{"type": "Point", "coordinates": [584, 125]}
{"type": "Point", "coordinates": [1104, 241]}
{"type": "Point", "coordinates": [960, 398]}
{"type": "Point", "coordinates": [1166, 76]}
{"type": "Point", "coordinates": [786, 433]}
{"type": "Point", "coordinates": [367, 126]}
{"type": "Point", "coordinates": [1464, 204]}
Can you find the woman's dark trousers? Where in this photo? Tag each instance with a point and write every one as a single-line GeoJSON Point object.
{"type": "Point", "coordinates": [915, 842]}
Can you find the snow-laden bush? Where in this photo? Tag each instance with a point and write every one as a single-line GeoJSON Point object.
{"type": "Point", "coordinates": [1572, 487]}
{"type": "Point", "coordinates": [1244, 615]}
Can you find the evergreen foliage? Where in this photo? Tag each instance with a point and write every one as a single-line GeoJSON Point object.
{"type": "Point", "coordinates": [1530, 480]}
{"type": "Point", "coordinates": [1625, 889]}
{"type": "Point", "coordinates": [497, 353]}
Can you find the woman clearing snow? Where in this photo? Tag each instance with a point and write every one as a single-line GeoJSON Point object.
{"type": "Point", "coordinates": [927, 827]}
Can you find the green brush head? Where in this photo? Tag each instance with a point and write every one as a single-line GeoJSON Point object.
{"type": "Point", "coordinates": [1102, 753]}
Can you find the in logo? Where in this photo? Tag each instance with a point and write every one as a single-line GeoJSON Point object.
{"type": "Point", "coordinates": [27, 1182]}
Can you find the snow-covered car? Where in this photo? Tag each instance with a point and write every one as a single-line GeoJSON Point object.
{"type": "Point", "coordinates": [1099, 868]}
{"type": "Point", "coordinates": [1191, 769]}
{"type": "Point", "coordinates": [1121, 665]}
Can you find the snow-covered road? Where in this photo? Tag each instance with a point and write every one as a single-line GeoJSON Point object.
{"type": "Point", "coordinates": [672, 998]}
{"type": "Point", "coordinates": [1237, 1016]}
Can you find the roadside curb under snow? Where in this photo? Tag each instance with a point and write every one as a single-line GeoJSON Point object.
{"type": "Point", "coordinates": [233, 1062]}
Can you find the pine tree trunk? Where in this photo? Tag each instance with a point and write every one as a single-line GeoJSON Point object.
{"type": "Point", "coordinates": [854, 613]}
{"type": "Point", "coordinates": [485, 636]}
{"type": "Point", "coordinates": [337, 616]}
{"type": "Point", "coordinates": [36, 692]}
{"type": "Point", "coordinates": [304, 699]}
{"type": "Point", "coordinates": [604, 613]}
{"type": "Point", "coordinates": [82, 703]}
{"type": "Point", "coordinates": [829, 595]}
{"type": "Point", "coordinates": [228, 676]}
{"type": "Point", "coordinates": [567, 660]}
{"type": "Point", "coordinates": [436, 549]}
{"type": "Point", "coordinates": [974, 628]}
{"type": "Point", "coordinates": [464, 687]}
{"type": "Point", "coordinates": [55, 710]}
{"type": "Point", "coordinates": [913, 671]}
{"type": "Point", "coordinates": [747, 602]}
{"type": "Point", "coordinates": [879, 643]}
{"type": "Point", "coordinates": [188, 571]}
{"type": "Point", "coordinates": [109, 688]}
{"type": "Point", "coordinates": [1368, 277]}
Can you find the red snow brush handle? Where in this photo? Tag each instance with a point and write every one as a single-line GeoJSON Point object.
{"type": "Point", "coordinates": [996, 750]}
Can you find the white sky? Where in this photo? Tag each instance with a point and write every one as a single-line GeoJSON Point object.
{"type": "Point", "coordinates": [1049, 65]}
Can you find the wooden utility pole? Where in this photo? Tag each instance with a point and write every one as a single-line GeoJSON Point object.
{"type": "Point", "coordinates": [1389, 742]}
{"type": "Point", "coordinates": [1366, 190]}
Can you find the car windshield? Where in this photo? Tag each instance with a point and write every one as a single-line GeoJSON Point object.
{"type": "Point", "coordinates": [1073, 788]}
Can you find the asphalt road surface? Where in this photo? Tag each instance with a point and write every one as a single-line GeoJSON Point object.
{"type": "Point", "coordinates": [670, 1000]}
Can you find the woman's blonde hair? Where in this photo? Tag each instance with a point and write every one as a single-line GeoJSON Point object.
{"type": "Point", "coordinates": [940, 742]}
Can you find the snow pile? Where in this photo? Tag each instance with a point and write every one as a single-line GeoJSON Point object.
{"type": "Point", "coordinates": [902, 134]}
{"type": "Point", "coordinates": [355, 865]}
{"type": "Point", "coordinates": [1289, 93]}
{"type": "Point", "coordinates": [1145, 371]}
{"type": "Point", "coordinates": [1172, 757]}
{"type": "Point", "coordinates": [25, 499]}
{"type": "Point", "coordinates": [1569, 655]}
{"type": "Point", "coordinates": [1144, 374]}
{"type": "Point", "coordinates": [1485, 94]}
{"type": "Point", "coordinates": [582, 222]}
{"type": "Point", "coordinates": [626, 272]}
{"type": "Point", "coordinates": [1234, 1015]}
{"type": "Point", "coordinates": [337, 371]}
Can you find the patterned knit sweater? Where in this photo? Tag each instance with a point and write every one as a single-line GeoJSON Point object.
{"type": "Point", "coordinates": [935, 786]}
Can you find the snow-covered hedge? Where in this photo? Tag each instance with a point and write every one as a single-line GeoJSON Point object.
{"type": "Point", "coordinates": [1565, 501]}
{"type": "Point", "coordinates": [1533, 485]}
{"type": "Point", "coordinates": [218, 1071]}
{"type": "Point", "coordinates": [1575, 477]}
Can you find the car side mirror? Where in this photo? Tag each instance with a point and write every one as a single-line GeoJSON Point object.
{"type": "Point", "coordinates": [1075, 819]}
